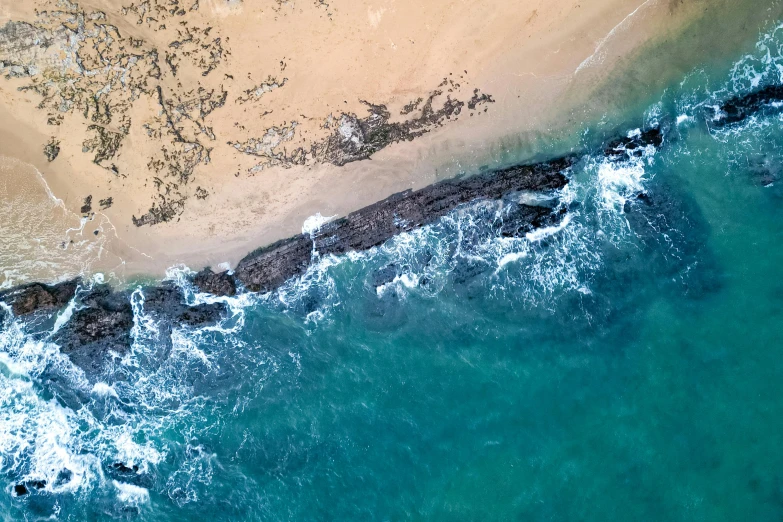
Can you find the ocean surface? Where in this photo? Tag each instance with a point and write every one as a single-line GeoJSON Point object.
{"type": "Point", "coordinates": [624, 365]}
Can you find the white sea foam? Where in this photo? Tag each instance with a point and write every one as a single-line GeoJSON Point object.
{"type": "Point", "coordinates": [102, 389]}
{"type": "Point", "coordinates": [131, 494]}
{"type": "Point", "coordinates": [544, 232]}
{"type": "Point", "coordinates": [315, 222]}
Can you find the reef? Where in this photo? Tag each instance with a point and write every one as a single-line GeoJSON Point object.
{"type": "Point", "coordinates": [739, 108]}
{"type": "Point", "coordinates": [100, 327]}
{"type": "Point", "coordinates": [267, 268]}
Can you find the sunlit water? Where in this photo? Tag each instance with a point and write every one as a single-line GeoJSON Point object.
{"type": "Point", "coordinates": [624, 365]}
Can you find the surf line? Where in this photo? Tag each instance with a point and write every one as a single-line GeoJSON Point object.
{"type": "Point", "coordinates": [589, 60]}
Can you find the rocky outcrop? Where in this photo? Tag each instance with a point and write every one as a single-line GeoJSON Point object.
{"type": "Point", "coordinates": [221, 284]}
{"type": "Point", "coordinates": [102, 321]}
{"type": "Point", "coordinates": [102, 325]}
{"type": "Point", "coordinates": [738, 108]}
{"type": "Point", "coordinates": [268, 268]}
{"type": "Point", "coordinates": [634, 143]}
{"type": "Point", "coordinates": [27, 299]}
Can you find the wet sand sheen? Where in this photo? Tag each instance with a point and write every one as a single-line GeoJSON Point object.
{"type": "Point", "coordinates": [41, 238]}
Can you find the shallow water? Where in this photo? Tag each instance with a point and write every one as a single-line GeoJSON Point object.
{"type": "Point", "coordinates": [623, 365]}
{"type": "Point", "coordinates": [40, 239]}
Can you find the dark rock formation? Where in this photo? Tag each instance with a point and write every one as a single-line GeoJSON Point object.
{"type": "Point", "coordinates": [129, 474]}
{"type": "Point", "coordinates": [633, 144]}
{"type": "Point", "coordinates": [26, 487]}
{"type": "Point", "coordinates": [359, 138]}
{"type": "Point", "coordinates": [267, 268]}
{"type": "Point", "coordinates": [104, 323]}
{"type": "Point", "coordinates": [522, 219]}
{"type": "Point", "coordinates": [27, 299]}
{"type": "Point", "coordinates": [167, 301]}
{"type": "Point", "coordinates": [385, 275]}
{"type": "Point", "coordinates": [220, 284]}
{"type": "Point", "coordinates": [52, 150]}
{"type": "Point", "coordinates": [738, 108]}
{"type": "Point", "coordinates": [87, 206]}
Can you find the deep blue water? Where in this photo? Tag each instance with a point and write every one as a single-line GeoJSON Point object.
{"type": "Point", "coordinates": [624, 365]}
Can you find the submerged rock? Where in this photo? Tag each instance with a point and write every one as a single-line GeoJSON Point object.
{"type": "Point", "coordinates": [634, 143]}
{"type": "Point", "coordinates": [103, 326]}
{"type": "Point", "coordinates": [738, 108]}
{"type": "Point", "coordinates": [32, 297]}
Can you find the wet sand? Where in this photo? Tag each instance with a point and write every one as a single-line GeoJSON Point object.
{"type": "Point", "coordinates": [541, 61]}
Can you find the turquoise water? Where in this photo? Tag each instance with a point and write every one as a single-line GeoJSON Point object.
{"type": "Point", "coordinates": [625, 365]}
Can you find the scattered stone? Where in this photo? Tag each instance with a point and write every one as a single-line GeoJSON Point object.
{"type": "Point", "coordinates": [104, 143]}
{"type": "Point", "coordinates": [87, 206]}
{"type": "Point", "coordinates": [478, 99]}
{"type": "Point", "coordinates": [410, 107]}
{"type": "Point", "coordinates": [52, 150]}
{"type": "Point", "coordinates": [255, 93]}
{"type": "Point", "coordinates": [359, 138]}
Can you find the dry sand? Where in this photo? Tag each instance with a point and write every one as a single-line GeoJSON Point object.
{"type": "Point", "coordinates": [308, 62]}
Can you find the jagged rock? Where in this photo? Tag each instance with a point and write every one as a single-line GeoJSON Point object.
{"type": "Point", "coordinates": [522, 219]}
{"type": "Point", "coordinates": [168, 301]}
{"type": "Point", "coordinates": [268, 268]}
{"type": "Point", "coordinates": [221, 284]}
{"type": "Point", "coordinates": [738, 108]}
{"type": "Point", "coordinates": [385, 275]}
{"type": "Point", "coordinates": [104, 325]}
{"type": "Point", "coordinates": [63, 477]}
{"type": "Point", "coordinates": [29, 298]}
{"type": "Point", "coordinates": [634, 143]}
{"type": "Point", "coordinates": [25, 488]}
{"type": "Point", "coordinates": [52, 150]}
{"type": "Point", "coordinates": [130, 474]}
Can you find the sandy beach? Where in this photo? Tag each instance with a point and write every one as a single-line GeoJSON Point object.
{"type": "Point", "coordinates": [193, 132]}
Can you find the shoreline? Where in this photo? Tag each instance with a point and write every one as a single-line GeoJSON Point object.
{"type": "Point", "coordinates": [246, 211]}
{"type": "Point", "coordinates": [103, 318]}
